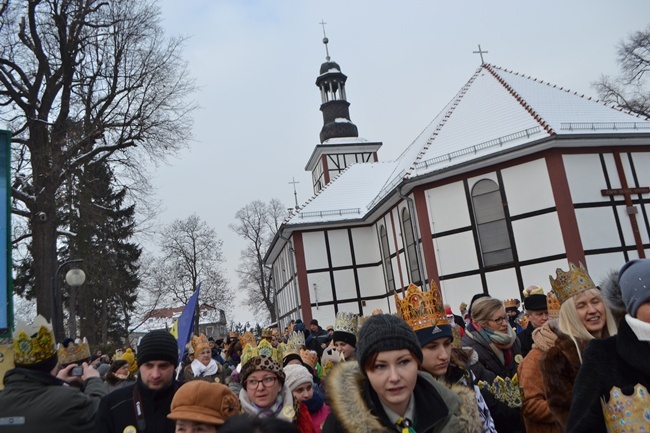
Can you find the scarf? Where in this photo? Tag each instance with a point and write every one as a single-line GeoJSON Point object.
{"type": "Point", "coordinates": [499, 342]}
{"type": "Point", "coordinates": [277, 409]}
{"type": "Point", "coordinates": [315, 403]}
{"type": "Point", "coordinates": [544, 337]}
{"type": "Point", "coordinates": [640, 328]}
{"type": "Point", "coordinates": [200, 370]}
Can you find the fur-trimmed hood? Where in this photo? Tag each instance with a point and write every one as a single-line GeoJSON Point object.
{"type": "Point", "coordinates": [356, 408]}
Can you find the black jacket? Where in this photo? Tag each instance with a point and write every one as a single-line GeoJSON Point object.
{"type": "Point", "coordinates": [117, 410]}
{"type": "Point", "coordinates": [35, 401]}
{"type": "Point", "coordinates": [622, 361]}
{"type": "Point", "coordinates": [526, 339]}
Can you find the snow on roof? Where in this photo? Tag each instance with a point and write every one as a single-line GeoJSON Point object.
{"type": "Point", "coordinates": [496, 111]}
{"type": "Point", "coordinates": [347, 196]}
{"type": "Point", "coordinates": [344, 140]}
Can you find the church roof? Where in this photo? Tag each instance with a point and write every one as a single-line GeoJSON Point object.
{"type": "Point", "coordinates": [498, 112]}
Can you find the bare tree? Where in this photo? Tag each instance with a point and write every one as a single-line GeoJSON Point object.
{"type": "Point", "coordinates": [629, 90]}
{"type": "Point", "coordinates": [192, 254]}
{"type": "Point", "coordinates": [258, 222]}
{"type": "Point", "coordinates": [80, 81]}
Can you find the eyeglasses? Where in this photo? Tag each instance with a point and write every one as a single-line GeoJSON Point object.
{"type": "Point", "coordinates": [268, 382]}
{"type": "Point", "coordinates": [499, 320]}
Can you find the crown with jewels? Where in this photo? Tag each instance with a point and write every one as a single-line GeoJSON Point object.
{"type": "Point", "coordinates": [30, 350]}
{"type": "Point", "coordinates": [505, 390]}
{"type": "Point", "coordinates": [422, 309]}
{"type": "Point", "coordinates": [346, 322]}
{"type": "Point", "coordinates": [309, 357]}
{"type": "Point", "coordinates": [553, 305]}
{"type": "Point", "coordinates": [267, 333]}
{"type": "Point", "coordinates": [75, 352]}
{"type": "Point", "coordinates": [263, 349]}
{"type": "Point", "coordinates": [627, 413]}
{"type": "Point", "coordinates": [510, 303]}
{"type": "Point", "coordinates": [567, 284]}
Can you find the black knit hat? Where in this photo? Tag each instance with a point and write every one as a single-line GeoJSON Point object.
{"type": "Point", "coordinates": [345, 337]}
{"type": "Point", "coordinates": [535, 302]}
{"type": "Point", "coordinates": [158, 345]}
{"type": "Point", "coordinates": [384, 332]}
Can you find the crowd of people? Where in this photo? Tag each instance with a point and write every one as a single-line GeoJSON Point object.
{"type": "Point", "coordinates": [575, 360]}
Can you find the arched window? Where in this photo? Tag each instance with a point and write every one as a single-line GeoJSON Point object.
{"type": "Point", "coordinates": [385, 257]}
{"type": "Point", "coordinates": [409, 243]}
{"type": "Point", "coordinates": [491, 223]}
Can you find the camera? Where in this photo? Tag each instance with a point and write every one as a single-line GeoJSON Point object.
{"type": "Point", "coordinates": [77, 371]}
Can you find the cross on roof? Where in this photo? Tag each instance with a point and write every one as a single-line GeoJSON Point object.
{"type": "Point", "coordinates": [480, 52]}
{"type": "Point", "coordinates": [325, 40]}
{"type": "Point", "coordinates": [295, 193]}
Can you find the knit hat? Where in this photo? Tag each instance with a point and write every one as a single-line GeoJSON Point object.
{"type": "Point", "coordinates": [634, 279]}
{"type": "Point", "coordinates": [204, 402]}
{"type": "Point", "coordinates": [129, 357]}
{"type": "Point", "coordinates": [297, 375]}
{"type": "Point", "coordinates": [385, 332]}
{"type": "Point", "coordinates": [158, 345]}
{"type": "Point", "coordinates": [535, 299]}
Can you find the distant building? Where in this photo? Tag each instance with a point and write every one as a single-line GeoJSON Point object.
{"type": "Point", "coordinates": [511, 180]}
{"type": "Point", "coordinates": [212, 322]}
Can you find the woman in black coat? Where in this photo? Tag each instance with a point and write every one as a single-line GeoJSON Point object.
{"type": "Point", "coordinates": [617, 367]}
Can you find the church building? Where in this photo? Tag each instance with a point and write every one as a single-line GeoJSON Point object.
{"type": "Point", "coordinates": [514, 178]}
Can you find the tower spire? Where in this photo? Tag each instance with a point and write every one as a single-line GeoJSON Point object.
{"type": "Point", "coordinates": [325, 41]}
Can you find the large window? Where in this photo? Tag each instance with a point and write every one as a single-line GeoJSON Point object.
{"type": "Point", "coordinates": [385, 257]}
{"type": "Point", "coordinates": [491, 223]}
{"type": "Point", "coordinates": [411, 251]}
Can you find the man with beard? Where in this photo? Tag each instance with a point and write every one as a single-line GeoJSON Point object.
{"type": "Point", "coordinates": [143, 406]}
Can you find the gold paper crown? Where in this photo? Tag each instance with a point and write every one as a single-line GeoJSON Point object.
{"type": "Point", "coordinates": [506, 390]}
{"type": "Point", "coordinates": [627, 413]}
{"type": "Point", "coordinates": [568, 284]}
{"type": "Point", "coordinates": [330, 358]}
{"type": "Point", "coordinates": [510, 303]}
{"type": "Point", "coordinates": [346, 322]}
{"type": "Point", "coordinates": [456, 342]}
{"type": "Point", "coordinates": [553, 305]}
{"type": "Point", "coordinates": [267, 333]}
{"type": "Point", "coordinates": [199, 343]}
{"type": "Point", "coordinates": [263, 349]}
{"type": "Point", "coordinates": [309, 357]}
{"type": "Point", "coordinates": [294, 344]}
{"type": "Point", "coordinates": [422, 309]}
{"type": "Point", "coordinates": [75, 352]}
{"type": "Point", "coordinates": [30, 350]}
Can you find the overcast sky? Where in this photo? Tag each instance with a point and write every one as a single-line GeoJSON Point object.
{"type": "Point", "coordinates": [257, 61]}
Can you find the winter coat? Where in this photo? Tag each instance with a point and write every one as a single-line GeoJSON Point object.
{"type": "Point", "coordinates": [469, 404]}
{"type": "Point", "coordinates": [559, 367]}
{"type": "Point", "coordinates": [188, 375]}
{"type": "Point", "coordinates": [117, 409]}
{"type": "Point", "coordinates": [356, 406]}
{"type": "Point", "coordinates": [506, 419]}
{"type": "Point", "coordinates": [525, 338]}
{"type": "Point", "coordinates": [114, 386]}
{"type": "Point", "coordinates": [535, 410]}
{"type": "Point", "coordinates": [622, 361]}
{"type": "Point", "coordinates": [35, 401]}
{"type": "Point", "coordinates": [488, 359]}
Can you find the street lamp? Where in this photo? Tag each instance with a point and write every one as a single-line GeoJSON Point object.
{"type": "Point", "coordinates": [75, 277]}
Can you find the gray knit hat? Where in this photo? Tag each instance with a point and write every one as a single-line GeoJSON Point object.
{"type": "Point", "coordinates": [634, 280]}
{"type": "Point", "coordinates": [384, 332]}
{"type": "Point", "coordinates": [158, 345]}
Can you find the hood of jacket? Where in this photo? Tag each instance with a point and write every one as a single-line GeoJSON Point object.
{"type": "Point", "coordinates": [358, 409]}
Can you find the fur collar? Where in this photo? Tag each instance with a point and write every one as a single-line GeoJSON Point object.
{"type": "Point", "coordinates": [344, 388]}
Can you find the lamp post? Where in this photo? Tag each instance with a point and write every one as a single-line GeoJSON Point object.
{"type": "Point", "coordinates": [75, 277]}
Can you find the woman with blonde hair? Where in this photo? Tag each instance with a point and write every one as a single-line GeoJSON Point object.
{"type": "Point", "coordinates": [583, 317]}
{"type": "Point", "coordinates": [492, 338]}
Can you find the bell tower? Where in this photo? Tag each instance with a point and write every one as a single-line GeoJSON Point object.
{"type": "Point", "coordinates": [340, 144]}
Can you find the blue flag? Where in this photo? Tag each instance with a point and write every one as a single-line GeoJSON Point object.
{"type": "Point", "coordinates": [186, 323]}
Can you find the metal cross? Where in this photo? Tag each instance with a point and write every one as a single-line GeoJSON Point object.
{"type": "Point", "coordinates": [325, 40]}
{"type": "Point", "coordinates": [481, 53]}
{"type": "Point", "coordinates": [295, 194]}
